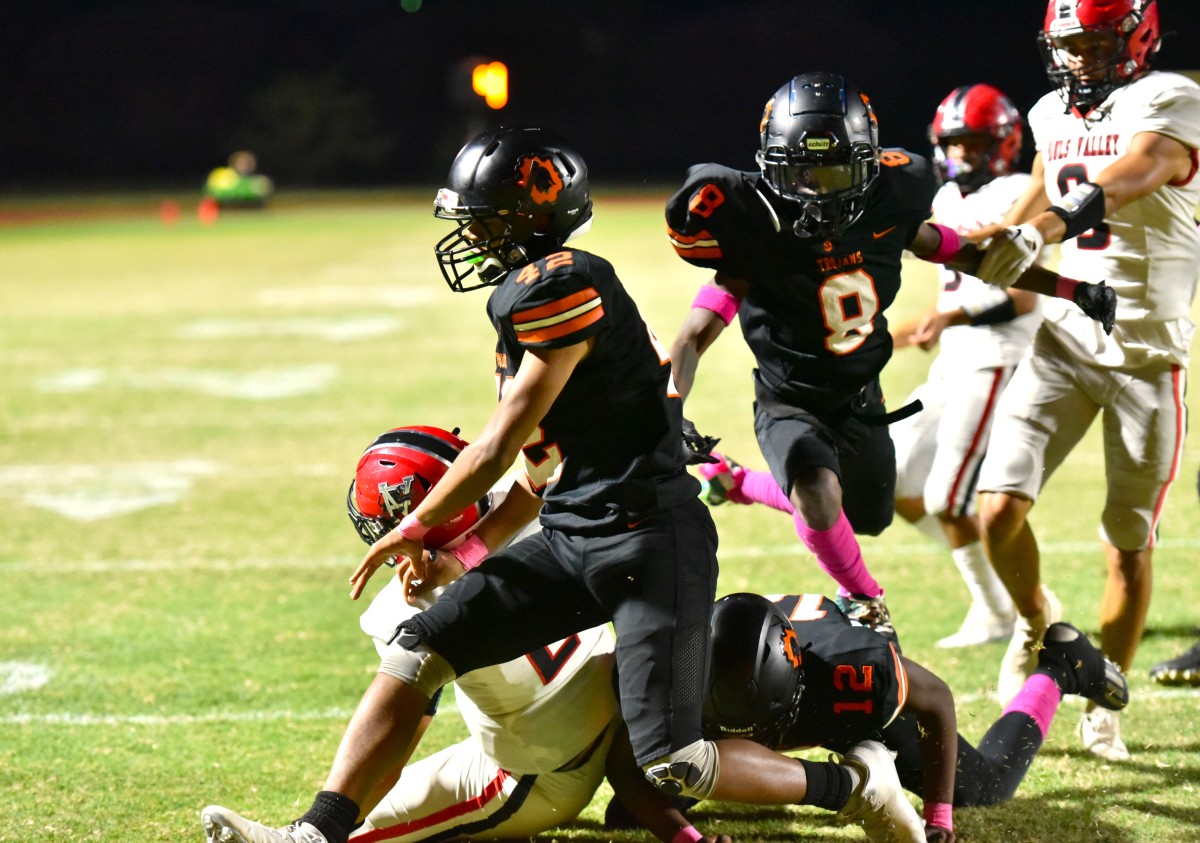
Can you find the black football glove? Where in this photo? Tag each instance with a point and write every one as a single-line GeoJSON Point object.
{"type": "Point", "coordinates": [698, 446]}
{"type": "Point", "coordinates": [1098, 301]}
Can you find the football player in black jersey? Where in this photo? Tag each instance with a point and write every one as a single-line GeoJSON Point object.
{"type": "Point", "coordinates": [586, 397]}
{"type": "Point", "coordinates": [792, 671]}
{"type": "Point", "coordinates": [807, 254]}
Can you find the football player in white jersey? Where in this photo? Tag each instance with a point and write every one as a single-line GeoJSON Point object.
{"type": "Point", "coordinates": [1115, 181]}
{"type": "Point", "coordinates": [983, 331]}
{"type": "Point", "coordinates": [541, 726]}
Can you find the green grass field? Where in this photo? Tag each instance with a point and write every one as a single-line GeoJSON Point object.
{"type": "Point", "coordinates": [183, 409]}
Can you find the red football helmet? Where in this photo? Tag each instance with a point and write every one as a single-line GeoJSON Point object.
{"type": "Point", "coordinates": [1092, 47]}
{"type": "Point", "coordinates": [985, 112]}
{"type": "Point", "coordinates": [396, 472]}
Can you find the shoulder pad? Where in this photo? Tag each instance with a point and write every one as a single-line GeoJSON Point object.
{"type": "Point", "coordinates": [553, 302]}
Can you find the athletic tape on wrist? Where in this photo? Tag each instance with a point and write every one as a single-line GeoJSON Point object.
{"type": "Point", "coordinates": [940, 814]}
{"type": "Point", "coordinates": [471, 552]}
{"type": "Point", "coordinates": [687, 834]}
{"type": "Point", "coordinates": [948, 246]}
{"type": "Point", "coordinates": [721, 302]}
{"type": "Point", "coordinates": [412, 529]}
{"type": "Point", "coordinates": [1064, 288]}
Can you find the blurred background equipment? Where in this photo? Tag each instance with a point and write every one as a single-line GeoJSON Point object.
{"type": "Point", "coordinates": [239, 185]}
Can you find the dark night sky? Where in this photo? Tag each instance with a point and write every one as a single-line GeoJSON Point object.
{"type": "Point", "coordinates": [361, 92]}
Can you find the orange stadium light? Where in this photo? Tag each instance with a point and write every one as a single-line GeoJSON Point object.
{"type": "Point", "coordinates": [490, 81]}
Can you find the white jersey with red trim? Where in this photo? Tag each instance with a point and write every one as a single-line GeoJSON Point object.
{"type": "Point", "coordinates": [982, 346]}
{"type": "Point", "coordinates": [532, 714]}
{"type": "Point", "coordinates": [1149, 250]}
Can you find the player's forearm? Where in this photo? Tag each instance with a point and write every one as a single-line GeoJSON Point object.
{"type": "Point", "coordinates": [699, 331]}
{"type": "Point", "coordinates": [519, 507]}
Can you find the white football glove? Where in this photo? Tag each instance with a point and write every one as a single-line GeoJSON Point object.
{"type": "Point", "coordinates": [1011, 252]}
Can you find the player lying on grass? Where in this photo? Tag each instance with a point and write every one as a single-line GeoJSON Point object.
{"type": "Point", "coordinates": [542, 727]}
{"type": "Point", "coordinates": [793, 672]}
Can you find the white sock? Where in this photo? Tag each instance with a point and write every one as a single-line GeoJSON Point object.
{"type": "Point", "coordinates": [981, 579]}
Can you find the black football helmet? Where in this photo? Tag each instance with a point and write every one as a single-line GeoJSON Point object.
{"type": "Point", "coordinates": [755, 672]}
{"type": "Point", "coordinates": [517, 196]}
{"type": "Point", "coordinates": [819, 151]}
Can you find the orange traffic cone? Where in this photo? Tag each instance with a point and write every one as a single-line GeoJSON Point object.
{"type": "Point", "coordinates": [208, 210]}
{"type": "Point", "coordinates": [169, 211]}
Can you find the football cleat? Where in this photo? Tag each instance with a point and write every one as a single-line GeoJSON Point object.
{"type": "Point", "coordinates": [980, 626]}
{"type": "Point", "coordinates": [224, 826]}
{"type": "Point", "coordinates": [870, 612]}
{"type": "Point", "coordinates": [1021, 657]}
{"type": "Point", "coordinates": [1080, 668]}
{"type": "Point", "coordinates": [718, 479]}
{"type": "Point", "coordinates": [1181, 670]}
{"type": "Point", "coordinates": [878, 804]}
{"type": "Point", "coordinates": [1100, 730]}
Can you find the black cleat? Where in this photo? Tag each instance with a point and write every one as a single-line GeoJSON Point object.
{"type": "Point", "coordinates": [1078, 667]}
{"type": "Point", "coordinates": [1181, 670]}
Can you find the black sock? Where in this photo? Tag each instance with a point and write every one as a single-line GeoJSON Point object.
{"type": "Point", "coordinates": [829, 784]}
{"type": "Point", "coordinates": [333, 815]}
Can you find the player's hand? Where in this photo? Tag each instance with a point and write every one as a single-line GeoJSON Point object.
{"type": "Point", "coordinates": [406, 551]}
{"type": "Point", "coordinates": [1098, 301]}
{"type": "Point", "coordinates": [929, 329]}
{"type": "Point", "coordinates": [441, 568]}
{"type": "Point", "coordinates": [1012, 251]}
{"type": "Point", "coordinates": [698, 446]}
{"type": "Point", "coordinates": [937, 834]}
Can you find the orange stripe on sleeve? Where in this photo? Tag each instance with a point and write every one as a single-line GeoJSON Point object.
{"type": "Point", "coordinates": [562, 328]}
{"type": "Point", "coordinates": [701, 245]}
{"type": "Point", "coordinates": [555, 307]}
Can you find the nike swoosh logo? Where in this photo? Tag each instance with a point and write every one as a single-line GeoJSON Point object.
{"type": "Point", "coordinates": [883, 233]}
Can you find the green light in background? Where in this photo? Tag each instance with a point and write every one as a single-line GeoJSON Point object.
{"type": "Point", "coordinates": [410, 5]}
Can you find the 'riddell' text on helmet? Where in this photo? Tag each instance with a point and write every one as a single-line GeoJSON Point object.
{"type": "Point", "coordinates": [976, 111]}
{"type": "Point", "coordinates": [395, 473]}
{"type": "Point", "coordinates": [1092, 47]}
{"type": "Point", "coordinates": [517, 195]}
{"type": "Point", "coordinates": [819, 151]}
{"type": "Point", "coordinates": [756, 674]}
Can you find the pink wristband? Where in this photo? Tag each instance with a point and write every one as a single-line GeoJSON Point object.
{"type": "Point", "coordinates": [412, 529]}
{"type": "Point", "coordinates": [471, 552]}
{"type": "Point", "coordinates": [721, 302]}
{"type": "Point", "coordinates": [1064, 288]}
{"type": "Point", "coordinates": [946, 249]}
{"type": "Point", "coordinates": [687, 834]}
{"type": "Point", "coordinates": [940, 814]}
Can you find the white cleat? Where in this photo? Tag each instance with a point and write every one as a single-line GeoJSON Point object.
{"type": "Point", "coordinates": [980, 626]}
{"type": "Point", "coordinates": [224, 826]}
{"type": "Point", "coordinates": [1100, 730]}
{"type": "Point", "coordinates": [878, 805]}
{"type": "Point", "coordinates": [1020, 658]}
